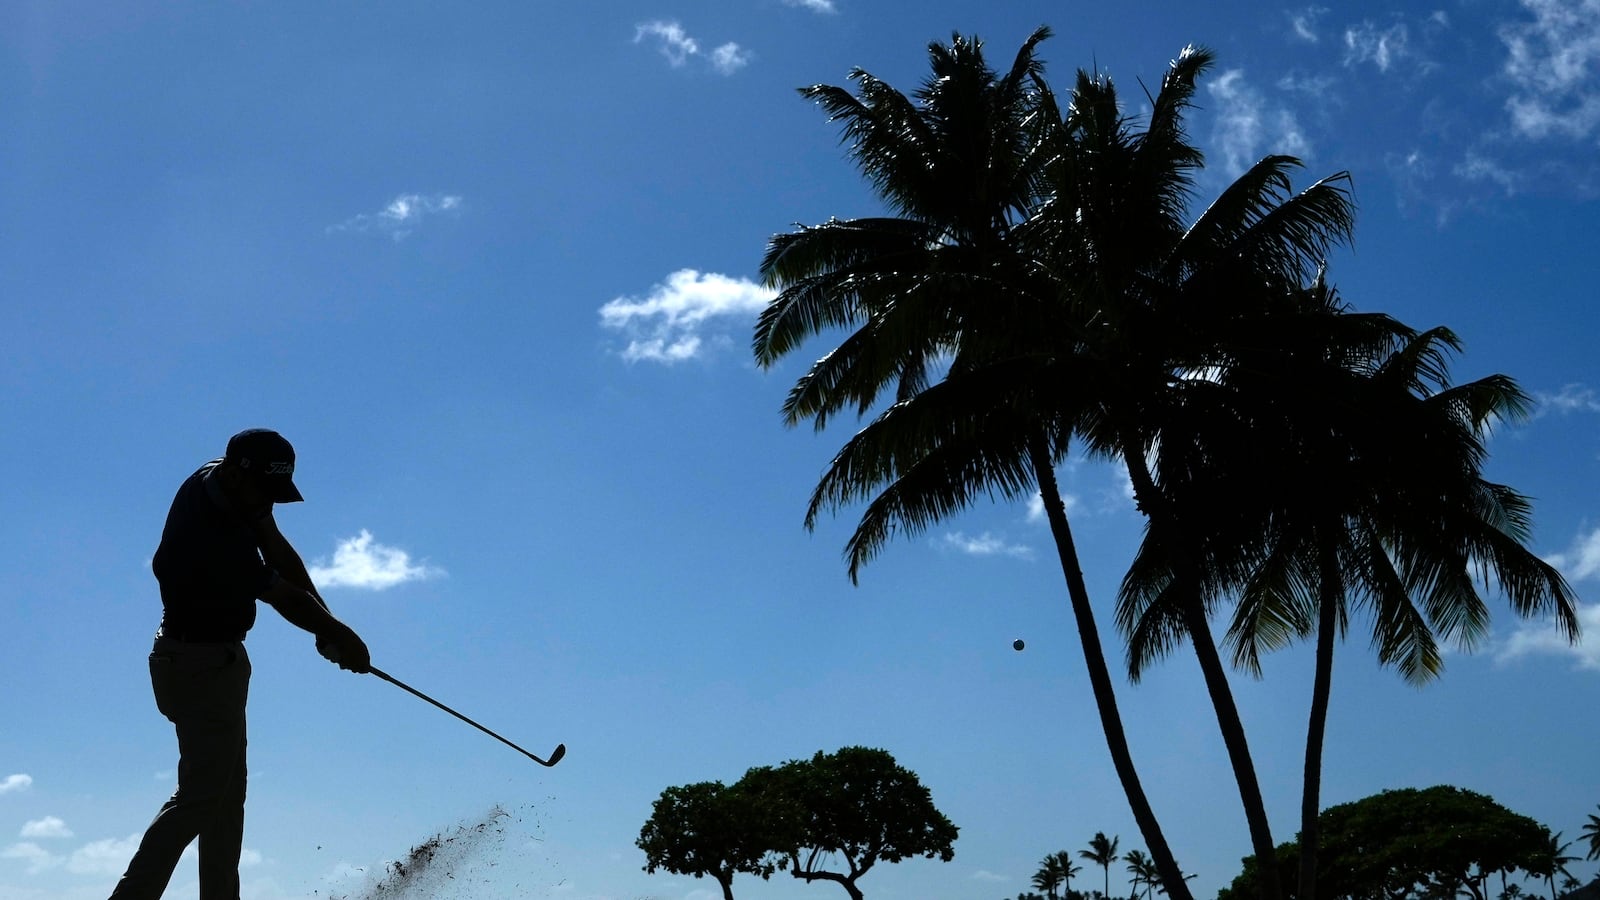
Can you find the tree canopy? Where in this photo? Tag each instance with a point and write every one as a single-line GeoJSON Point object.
{"type": "Point", "coordinates": [856, 806]}
{"type": "Point", "coordinates": [1412, 843]}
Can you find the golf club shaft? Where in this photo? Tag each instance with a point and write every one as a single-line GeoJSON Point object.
{"type": "Point", "coordinates": [560, 751]}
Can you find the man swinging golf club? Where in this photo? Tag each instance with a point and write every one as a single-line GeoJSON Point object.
{"type": "Point", "coordinates": [221, 551]}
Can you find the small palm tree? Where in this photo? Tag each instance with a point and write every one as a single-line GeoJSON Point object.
{"type": "Point", "coordinates": [1102, 852]}
{"type": "Point", "coordinates": [1049, 876]}
{"type": "Point", "coordinates": [1591, 833]}
{"type": "Point", "coordinates": [1068, 869]}
{"type": "Point", "coordinates": [1143, 871]}
{"type": "Point", "coordinates": [1553, 861]}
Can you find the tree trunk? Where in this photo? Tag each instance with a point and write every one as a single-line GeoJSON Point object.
{"type": "Point", "coordinates": [727, 886]}
{"type": "Point", "coordinates": [1321, 686]}
{"type": "Point", "coordinates": [1105, 697]}
{"type": "Point", "coordinates": [1155, 508]}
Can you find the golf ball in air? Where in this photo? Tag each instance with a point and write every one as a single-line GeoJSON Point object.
{"type": "Point", "coordinates": [1017, 644]}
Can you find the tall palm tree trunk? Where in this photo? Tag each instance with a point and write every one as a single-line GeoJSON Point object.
{"type": "Point", "coordinates": [1105, 697]}
{"type": "Point", "coordinates": [1198, 627]}
{"type": "Point", "coordinates": [1321, 688]}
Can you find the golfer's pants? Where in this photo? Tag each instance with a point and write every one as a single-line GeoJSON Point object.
{"type": "Point", "coordinates": [202, 688]}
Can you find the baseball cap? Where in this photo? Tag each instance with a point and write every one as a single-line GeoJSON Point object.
{"type": "Point", "coordinates": [265, 454]}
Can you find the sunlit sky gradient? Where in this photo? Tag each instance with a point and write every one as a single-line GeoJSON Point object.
{"type": "Point", "coordinates": [490, 266]}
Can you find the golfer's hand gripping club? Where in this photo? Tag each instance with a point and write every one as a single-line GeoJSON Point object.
{"type": "Point", "coordinates": [555, 756]}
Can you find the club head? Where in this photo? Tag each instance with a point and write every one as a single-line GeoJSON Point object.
{"type": "Point", "coordinates": [561, 750]}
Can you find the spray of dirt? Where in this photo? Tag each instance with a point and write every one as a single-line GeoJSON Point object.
{"type": "Point", "coordinates": [455, 862]}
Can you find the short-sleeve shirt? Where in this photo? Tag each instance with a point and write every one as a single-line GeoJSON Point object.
{"type": "Point", "coordinates": [209, 565]}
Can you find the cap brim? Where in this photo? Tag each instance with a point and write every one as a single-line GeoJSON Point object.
{"type": "Point", "coordinates": [284, 491]}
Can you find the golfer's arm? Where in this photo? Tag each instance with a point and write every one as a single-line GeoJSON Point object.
{"type": "Point", "coordinates": [302, 609]}
{"type": "Point", "coordinates": [281, 556]}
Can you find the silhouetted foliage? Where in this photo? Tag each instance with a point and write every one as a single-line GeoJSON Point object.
{"type": "Point", "coordinates": [1425, 844]}
{"type": "Point", "coordinates": [856, 806]}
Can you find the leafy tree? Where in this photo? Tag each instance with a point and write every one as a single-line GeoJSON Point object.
{"type": "Point", "coordinates": [1049, 876]}
{"type": "Point", "coordinates": [1591, 833]}
{"type": "Point", "coordinates": [1412, 844]}
{"type": "Point", "coordinates": [856, 804]}
{"type": "Point", "coordinates": [707, 830]}
{"type": "Point", "coordinates": [1102, 852]}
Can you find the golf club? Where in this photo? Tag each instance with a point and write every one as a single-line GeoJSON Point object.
{"type": "Point", "coordinates": [555, 757]}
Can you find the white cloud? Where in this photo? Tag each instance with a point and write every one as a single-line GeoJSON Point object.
{"type": "Point", "coordinates": [16, 783]}
{"type": "Point", "coordinates": [817, 6]}
{"type": "Point", "coordinates": [1581, 562]}
{"type": "Point", "coordinates": [1554, 66]}
{"type": "Point", "coordinates": [670, 324]}
{"type": "Point", "coordinates": [1036, 507]}
{"type": "Point", "coordinates": [729, 58]}
{"type": "Point", "coordinates": [985, 544]}
{"type": "Point", "coordinates": [1477, 167]}
{"type": "Point", "coordinates": [104, 857]}
{"type": "Point", "coordinates": [1383, 47]}
{"type": "Point", "coordinates": [402, 216]}
{"type": "Point", "coordinates": [1304, 22]}
{"type": "Point", "coordinates": [47, 827]}
{"type": "Point", "coordinates": [1540, 638]}
{"type": "Point", "coordinates": [1249, 127]}
{"type": "Point", "coordinates": [37, 858]}
{"type": "Point", "coordinates": [986, 875]}
{"type": "Point", "coordinates": [1571, 398]}
{"type": "Point", "coordinates": [361, 562]}
{"type": "Point", "coordinates": [678, 46]}
{"type": "Point", "coordinates": [670, 38]}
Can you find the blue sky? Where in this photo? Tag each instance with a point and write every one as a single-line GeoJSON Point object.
{"type": "Point", "coordinates": [491, 271]}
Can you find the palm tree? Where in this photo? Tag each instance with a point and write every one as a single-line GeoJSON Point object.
{"type": "Point", "coordinates": [1165, 305]}
{"type": "Point", "coordinates": [1102, 852]}
{"type": "Point", "coordinates": [1143, 872]}
{"type": "Point", "coordinates": [945, 283]}
{"type": "Point", "coordinates": [1591, 833]}
{"type": "Point", "coordinates": [1554, 861]}
{"type": "Point", "coordinates": [1068, 869]}
{"type": "Point", "coordinates": [1049, 876]}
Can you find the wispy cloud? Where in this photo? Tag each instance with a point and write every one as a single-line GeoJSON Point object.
{"type": "Point", "coordinates": [1249, 126]}
{"type": "Point", "coordinates": [1303, 23]}
{"type": "Point", "coordinates": [16, 783]}
{"type": "Point", "coordinates": [1036, 507]}
{"type": "Point", "coordinates": [1570, 399]}
{"type": "Point", "coordinates": [1369, 43]}
{"type": "Point", "coordinates": [729, 58]}
{"type": "Point", "coordinates": [816, 6]}
{"type": "Point", "coordinates": [986, 875]}
{"type": "Point", "coordinates": [361, 562]}
{"type": "Point", "coordinates": [1580, 563]}
{"type": "Point", "coordinates": [678, 46]}
{"type": "Point", "coordinates": [985, 544]}
{"type": "Point", "coordinates": [402, 216]}
{"type": "Point", "coordinates": [676, 319]}
{"type": "Point", "coordinates": [47, 827]}
{"type": "Point", "coordinates": [1554, 67]}
{"type": "Point", "coordinates": [36, 858]}
{"type": "Point", "coordinates": [1475, 166]}
{"type": "Point", "coordinates": [104, 857]}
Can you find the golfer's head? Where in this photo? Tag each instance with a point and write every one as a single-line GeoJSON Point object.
{"type": "Point", "coordinates": [267, 461]}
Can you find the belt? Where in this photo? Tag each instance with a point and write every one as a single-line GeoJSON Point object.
{"type": "Point", "coordinates": [199, 637]}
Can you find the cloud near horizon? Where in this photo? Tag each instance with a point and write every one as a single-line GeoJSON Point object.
{"type": "Point", "coordinates": [362, 562]}
{"type": "Point", "coordinates": [18, 782]}
{"type": "Point", "coordinates": [676, 319]}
